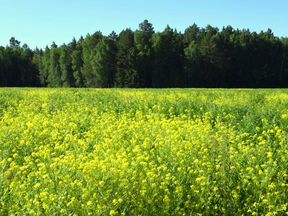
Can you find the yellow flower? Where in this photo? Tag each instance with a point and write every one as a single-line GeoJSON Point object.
{"type": "Point", "coordinates": [89, 204]}
{"type": "Point", "coordinates": [112, 212]}
{"type": "Point", "coordinates": [269, 154]}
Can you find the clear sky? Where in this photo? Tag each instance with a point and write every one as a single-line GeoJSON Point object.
{"type": "Point", "coordinates": [39, 22]}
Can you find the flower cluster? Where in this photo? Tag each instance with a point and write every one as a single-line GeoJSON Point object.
{"type": "Point", "coordinates": [143, 152]}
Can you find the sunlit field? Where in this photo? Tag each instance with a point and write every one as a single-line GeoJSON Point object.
{"type": "Point", "coordinates": [143, 152]}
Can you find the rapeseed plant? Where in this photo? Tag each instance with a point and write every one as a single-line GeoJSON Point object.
{"type": "Point", "coordinates": [148, 152]}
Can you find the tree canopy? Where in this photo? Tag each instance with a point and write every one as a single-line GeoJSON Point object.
{"type": "Point", "coordinates": [198, 57]}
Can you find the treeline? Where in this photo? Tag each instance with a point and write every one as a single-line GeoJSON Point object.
{"type": "Point", "coordinates": [16, 66]}
{"type": "Point", "coordinates": [199, 57]}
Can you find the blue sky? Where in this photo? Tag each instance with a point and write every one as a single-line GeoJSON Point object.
{"type": "Point", "coordinates": [39, 22]}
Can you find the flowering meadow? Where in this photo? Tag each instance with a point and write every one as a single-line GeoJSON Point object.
{"type": "Point", "coordinates": [143, 152]}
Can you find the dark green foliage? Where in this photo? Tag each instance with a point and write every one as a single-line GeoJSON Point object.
{"type": "Point", "coordinates": [143, 43]}
{"type": "Point", "coordinates": [199, 57]}
{"type": "Point", "coordinates": [168, 59]}
{"type": "Point", "coordinates": [126, 74]}
{"type": "Point", "coordinates": [65, 63]}
{"type": "Point", "coordinates": [104, 63]}
{"type": "Point", "coordinates": [16, 67]}
{"type": "Point", "coordinates": [54, 71]}
{"type": "Point", "coordinates": [89, 52]}
{"type": "Point", "coordinates": [77, 62]}
{"type": "Point", "coordinates": [76, 53]}
{"type": "Point", "coordinates": [38, 63]}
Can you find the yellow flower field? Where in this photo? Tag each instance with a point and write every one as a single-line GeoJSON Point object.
{"type": "Point", "coordinates": [143, 152]}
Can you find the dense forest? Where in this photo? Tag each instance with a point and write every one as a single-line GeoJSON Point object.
{"type": "Point", "coordinates": [198, 57]}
